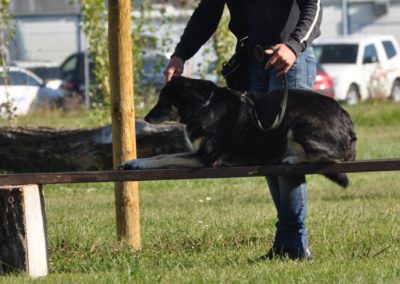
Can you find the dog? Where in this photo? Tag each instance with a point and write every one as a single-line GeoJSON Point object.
{"type": "Point", "coordinates": [220, 125]}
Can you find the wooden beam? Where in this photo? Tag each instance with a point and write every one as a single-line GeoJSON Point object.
{"type": "Point", "coordinates": [228, 172]}
{"type": "Point", "coordinates": [122, 111]}
{"type": "Point", "coordinates": [23, 230]}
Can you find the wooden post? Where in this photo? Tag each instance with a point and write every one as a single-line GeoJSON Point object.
{"type": "Point", "coordinates": [122, 111]}
{"type": "Point", "coordinates": [23, 241]}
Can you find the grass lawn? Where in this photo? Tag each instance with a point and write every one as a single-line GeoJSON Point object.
{"type": "Point", "coordinates": [205, 231]}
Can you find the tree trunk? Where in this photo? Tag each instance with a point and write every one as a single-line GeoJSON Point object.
{"type": "Point", "coordinates": [47, 149]}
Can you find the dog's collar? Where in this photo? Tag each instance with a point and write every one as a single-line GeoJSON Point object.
{"type": "Point", "coordinates": [208, 102]}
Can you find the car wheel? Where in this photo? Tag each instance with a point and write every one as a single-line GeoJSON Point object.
{"type": "Point", "coordinates": [395, 93]}
{"type": "Point", "coordinates": [353, 95]}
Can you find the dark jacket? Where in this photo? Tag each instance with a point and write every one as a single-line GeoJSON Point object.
{"type": "Point", "coordinates": [293, 22]}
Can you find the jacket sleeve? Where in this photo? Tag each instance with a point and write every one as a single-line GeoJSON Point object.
{"type": "Point", "coordinates": [307, 28]}
{"type": "Point", "coordinates": [201, 26]}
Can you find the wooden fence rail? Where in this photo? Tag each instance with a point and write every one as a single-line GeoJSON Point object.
{"type": "Point", "coordinates": [225, 172]}
{"type": "Point", "coordinates": [23, 233]}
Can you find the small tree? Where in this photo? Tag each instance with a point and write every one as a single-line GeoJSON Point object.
{"type": "Point", "coordinates": [6, 31]}
{"type": "Point", "coordinates": [224, 43]}
{"type": "Point", "coordinates": [94, 23]}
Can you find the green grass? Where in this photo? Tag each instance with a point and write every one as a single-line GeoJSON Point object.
{"type": "Point", "coordinates": [205, 231]}
{"type": "Point", "coordinates": [77, 118]}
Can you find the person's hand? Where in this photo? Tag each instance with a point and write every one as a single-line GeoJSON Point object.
{"type": "Point", "coordinates": [282, 58]}
{"type": "Point", "coordinates": [174, 68]}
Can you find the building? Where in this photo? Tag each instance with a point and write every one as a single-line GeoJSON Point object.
{"type": "Point", "coordinates": [45, 30]}
{"type": "Point", "coordinates": [366, 17]}
{"type": "Point", "coordinates": [49, 30]}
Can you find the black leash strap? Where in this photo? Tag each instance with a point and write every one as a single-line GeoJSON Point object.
{"type": "Point", "coordinates": [259, 53]}
{"type": "Point", "coordinates": [281, 114]}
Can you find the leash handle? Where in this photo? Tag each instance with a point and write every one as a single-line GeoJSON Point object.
{"type": "Point", "coordinates": [259, 53]}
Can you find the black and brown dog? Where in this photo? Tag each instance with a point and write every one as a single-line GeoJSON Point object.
{"type": "Point", "coordinates": [221, 128]}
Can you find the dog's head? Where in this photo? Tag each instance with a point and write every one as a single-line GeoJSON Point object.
{"type": "Point", "coordinates": [180, 99]}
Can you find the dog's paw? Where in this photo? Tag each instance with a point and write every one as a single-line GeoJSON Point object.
{"type": "Point", "coordinates": [132, 165]}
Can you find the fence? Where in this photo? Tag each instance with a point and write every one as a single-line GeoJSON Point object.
{"type": "Point", "coordinates": [23, 221]}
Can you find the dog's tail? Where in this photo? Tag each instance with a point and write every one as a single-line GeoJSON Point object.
{"type": "Point", "coordinates": [341, 179]}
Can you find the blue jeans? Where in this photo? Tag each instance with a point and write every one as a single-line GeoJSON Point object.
{"type": "Point", "coordinates": [289, 193]}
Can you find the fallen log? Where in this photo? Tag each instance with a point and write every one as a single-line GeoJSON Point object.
{"type": "Point", "coordinates": [39, 149]}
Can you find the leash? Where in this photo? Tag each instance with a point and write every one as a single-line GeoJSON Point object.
{"type": "Point", "coordinates": [259, 53]}
{"type": "Point", "coordinates": [260, 56]}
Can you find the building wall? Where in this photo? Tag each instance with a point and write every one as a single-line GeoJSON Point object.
{"type": "Point", "coordinates": [44, 7]}
{"type": "Point", "coordinates": [360, 15]}
{"type": "Point", "coordinates": [388, 24]}
{"type": "Point", "coordinates": [365, 17]}
{"type": "Point", "coordinates": [48, 35]}
{"type": "Point", "coordinates": [331, 21]}
{"type": "Point", "coordinates": [45, 38]}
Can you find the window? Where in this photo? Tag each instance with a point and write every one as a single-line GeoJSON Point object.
{"type": "Point", "coordinates": [70, 65]}
{"type": "Point", "coordinates": [389, 49]}
{"type": "Point", "coordinates": [370, 54]}
{"type": "Point", "coordinates": [32, 81]}
{"type": "Point", "coordinates": [17, 78]}
{"type": "Point", "coordinates": [336, 53]}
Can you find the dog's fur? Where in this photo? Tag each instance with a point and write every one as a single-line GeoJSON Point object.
{"type": "Point", "coordinates": [223, 133]}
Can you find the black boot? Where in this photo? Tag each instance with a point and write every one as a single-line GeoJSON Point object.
{"type": "Point", "coordinates": [293, 254]}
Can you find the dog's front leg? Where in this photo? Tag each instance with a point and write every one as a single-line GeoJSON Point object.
{"type": "Point", "coordinates": [179, 160]}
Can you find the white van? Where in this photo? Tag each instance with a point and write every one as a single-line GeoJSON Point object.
{"type": "Point", "coordinates": [361, 66]}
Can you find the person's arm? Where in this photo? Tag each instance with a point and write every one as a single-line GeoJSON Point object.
{"type": "Point", "coordinates": [201, 26]}
{"type": "Point", "coordinates": [307, 28]}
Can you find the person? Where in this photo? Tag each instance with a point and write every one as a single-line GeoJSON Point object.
{"type": "Point", "coordinates": [285, 30]}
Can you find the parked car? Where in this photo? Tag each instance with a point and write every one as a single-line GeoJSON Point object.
{"type": "Point", "coordinates": [362, 67]}
{"type": "Point", "coordinates": [26, 91]}
{"type": "Point", "coordinates": [323, 83]}
{"type": "Point", "coordinates": [49, 72]}
{"type": "Point", "coordinates": [72, 71]}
